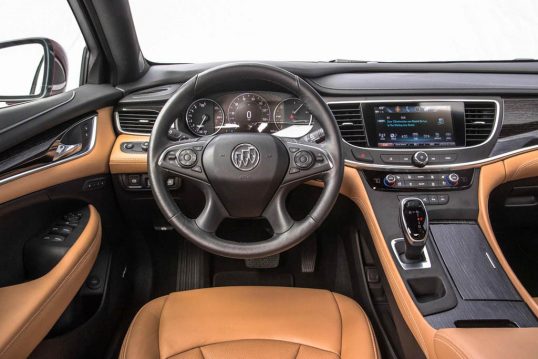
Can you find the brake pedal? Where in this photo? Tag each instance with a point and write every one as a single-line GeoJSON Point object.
{"type": "Point", "coordinates": [263, 263]}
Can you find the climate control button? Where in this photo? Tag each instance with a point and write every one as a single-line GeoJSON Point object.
{"type": "Point", "coordinates": [453, 179]}
{"type": "Point", "coordinates": [390, 180]}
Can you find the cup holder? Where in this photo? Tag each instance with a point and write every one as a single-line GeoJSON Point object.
{"type": "Point", "coordinates": [427, 289]}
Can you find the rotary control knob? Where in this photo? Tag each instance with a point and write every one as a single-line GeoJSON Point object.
{"type": "Point", "coordinates": [453, 179]}
{"type": "Point", "coordinates": [420, 159]}
{"type": "Point", "coordinates": [304, 160]}
{"type": "Point", "coordinates": [186, 158]}
{"type": "Point", "coordinates": [390, 180]}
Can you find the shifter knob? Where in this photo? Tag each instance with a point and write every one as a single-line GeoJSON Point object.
{"type": "Point", "coordinates": [414, 221]}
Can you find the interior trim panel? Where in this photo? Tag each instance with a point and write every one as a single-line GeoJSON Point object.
{"type": "Point", "coordinates": [93, 162]}
{"type": "Point", "coordinates": [29, 310]}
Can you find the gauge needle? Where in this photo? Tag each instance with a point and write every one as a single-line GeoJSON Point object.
{"type": "Point", "coordinates": [297, 109]}
{"type": "Point", "coordinates": [205, 117]}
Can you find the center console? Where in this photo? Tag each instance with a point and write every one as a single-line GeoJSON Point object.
{"type": "Point", "coordinates": [419, 160]}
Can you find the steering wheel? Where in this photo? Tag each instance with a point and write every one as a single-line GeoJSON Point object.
{"type": "Point", "coordinates": [245, 175]}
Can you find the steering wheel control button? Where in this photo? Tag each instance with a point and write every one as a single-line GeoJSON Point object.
{"type": "Point", "coordinates": [304, 160]}
{"type": "Point", "coordinates": [293, 149]}
{"type": "Point", "coordinates": [197, 169]}
{"type": "Point", "coordinates": [198, 148]}
{"type": "Point", "coordinates": [294, 170]}
{"type": "Point", "coordinates": [245, 157]}
{"type": "Point", "coordinates": [187, 158]}
{"type": "Point", "coordinates": [453, 179]}
{"type": "Point", "coordinates": [390, 181]}
{"type": "Point", "coordinates": [420, 159]}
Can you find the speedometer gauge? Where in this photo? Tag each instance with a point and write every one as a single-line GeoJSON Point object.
{"type": "Point", "coordinates": [205, 117]}
{"type": "Point", "coordinates": [249, 112]}
{"type": "Point", "coordinates": [292, 112]}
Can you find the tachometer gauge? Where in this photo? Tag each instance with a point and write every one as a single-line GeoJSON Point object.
{"type": "Point", "coordinates": [249, 112]}
{"type": "Point", "coordinates": [205, 117]}
{"type": "Point", "coordinates": [292, 112]}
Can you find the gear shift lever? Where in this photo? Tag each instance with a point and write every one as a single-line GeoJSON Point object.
{"type": "Point", "coordinates": [414, 221]}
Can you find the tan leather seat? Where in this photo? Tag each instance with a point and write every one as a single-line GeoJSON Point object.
{"type": "Point", "coordinates": [251, 322]}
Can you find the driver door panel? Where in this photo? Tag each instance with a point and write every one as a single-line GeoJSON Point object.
{"type": "Point", "coordinates": [40, 185]}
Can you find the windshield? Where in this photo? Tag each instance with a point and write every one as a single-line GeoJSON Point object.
{"type": "Point", "coordinates": [309, 30]}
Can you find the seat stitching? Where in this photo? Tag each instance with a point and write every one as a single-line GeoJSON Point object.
{"type": "Point", "coordinates": [371, 331]}
{"type": "Point", "coordinates": [128, 335]}
{"type": "Point", "coordinates": [298, 350]}
{"type": "Point", "coordinates": [451, 345]}
{"type": "Point", "coordinates": [159, 327]}
{"type": "Point", "coordinates": [202, 352]}
{"type": "Point", "coordinates": [373, 339]}
{"type": "Point", "coordinates": [82, 261]}
{"type": "Point", "coordinates": [341, 323]}
{"type": "Point", "coordinates": [241, 340]}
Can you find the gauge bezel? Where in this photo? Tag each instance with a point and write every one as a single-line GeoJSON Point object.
{"type": "Point", "coordinates": [269, 114]}
{"type": "Point", "coordinates": [278, 126]}
{"type": "Point", "coordinates": [216, 104]}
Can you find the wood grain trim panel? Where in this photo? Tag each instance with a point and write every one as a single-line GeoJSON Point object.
{"type": "Point", "coordinates": [121, 162]}
{"type": "Point", "coordinates": [29, 310]}
{"type": "Point", "coordinates": [93, 163]}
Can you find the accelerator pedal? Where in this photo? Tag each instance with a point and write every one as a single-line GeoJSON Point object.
{"type": "Point", "coordinates": [309, 253]}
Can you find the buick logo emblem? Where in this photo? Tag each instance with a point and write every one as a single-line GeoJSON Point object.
{"type": "Point", "coordinates": [245, 157]}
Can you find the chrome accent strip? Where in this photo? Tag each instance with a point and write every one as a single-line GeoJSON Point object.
{"type": "Point", "coordinates": [452, 149]}
{"type": "Point", "coordinates": [52, 164]}
{"type": "Point", "coordinates": [120, 130]}
{"type": "Point", "coordinates": [490, 261]}
{"type": "Point", "coordinates": [425, 264]}
{"type": "Point", "coordinates": [454, 166]}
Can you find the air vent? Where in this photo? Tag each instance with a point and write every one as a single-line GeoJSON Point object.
{"type": "Point", "coordinates": [136, 120]}
{"type": "Point", "coordinates": [349, 119]}
{"type": "Point", "coordinates": [479, 122]}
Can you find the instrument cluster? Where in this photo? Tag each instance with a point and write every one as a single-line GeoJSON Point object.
{"type": "Point", "coordinates": [263, 112]}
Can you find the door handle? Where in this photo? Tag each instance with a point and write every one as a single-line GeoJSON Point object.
{"type": "Point", "coordinates": [63, 151]}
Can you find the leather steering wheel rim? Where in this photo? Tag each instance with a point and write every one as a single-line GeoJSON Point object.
{"type": "Point", "coordinates": [329, 165]}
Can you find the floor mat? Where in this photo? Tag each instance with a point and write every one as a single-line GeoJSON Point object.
{"type": "Point", "coordinates": [233, 278]}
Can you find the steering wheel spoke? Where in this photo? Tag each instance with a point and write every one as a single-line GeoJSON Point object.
{"type": "Point", "coordinates": [306, 161]}
{"type": "Point", "coordinates": [185, 159]}
{"type": "Point", "coordinates": [213, 213]}
{"type": "Point", "coordinates": [276, 213]}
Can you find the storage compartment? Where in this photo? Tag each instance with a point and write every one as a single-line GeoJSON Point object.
{"type": "Point", "coordinates": [427, 289]}
{"type": "Point", "coordinates": [485, 323]}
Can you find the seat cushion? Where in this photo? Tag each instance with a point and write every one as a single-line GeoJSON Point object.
{"type": "Point", "coordinates": [251, 322]}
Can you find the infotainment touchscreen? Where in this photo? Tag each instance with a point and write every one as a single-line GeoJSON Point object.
{"type": "Point", "coordinates": [414, 125]}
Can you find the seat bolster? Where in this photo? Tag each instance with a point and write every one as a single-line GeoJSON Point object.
{"type": "Point", "coordinates": [142, 339]}
{"type": "Point", "coordinates": [358, 338]}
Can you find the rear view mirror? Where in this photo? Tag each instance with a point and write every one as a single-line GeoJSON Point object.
{"type": "Point", "coordinates": [31, 69]}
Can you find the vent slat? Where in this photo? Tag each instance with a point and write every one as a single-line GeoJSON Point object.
{"type": "Point", "coordinates": [350, 122]}
{"type": "Point", "coordinates": [137, 120]}
{"type": "Point", "coordinates": [479, 122]}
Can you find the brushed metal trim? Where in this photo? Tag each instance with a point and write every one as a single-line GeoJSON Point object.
{"type": "Point", "coordinates": [52, 164]}
{"type": "Point", "coordinates": [425, 264]}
